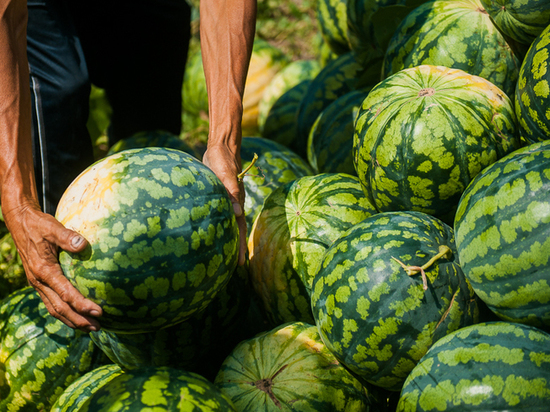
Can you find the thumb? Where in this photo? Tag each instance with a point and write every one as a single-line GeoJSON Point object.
{"type": "Point", "coordinates": [69, 240]}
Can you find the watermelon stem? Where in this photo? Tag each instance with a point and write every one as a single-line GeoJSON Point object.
{"type": "Point", "coordinates": [444, 251]}
{"type": "Point", "coordinates": [241, 175]}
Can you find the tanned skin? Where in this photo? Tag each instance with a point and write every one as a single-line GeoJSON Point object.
{"type": "Point", "coordinates": [227, 29]}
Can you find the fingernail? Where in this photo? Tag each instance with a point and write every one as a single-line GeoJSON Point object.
{"type": "Point", "coordinates": [77, 241]}
{"type": "Point", "coordinates": [237, 209]}
{"type": "Point", "coordinates": [92, 329]}
{"type": "Point", "coordinates": [95, 313]}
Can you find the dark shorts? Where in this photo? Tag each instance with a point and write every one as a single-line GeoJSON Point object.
{"type": "Point", "coordinates": [134, 49]}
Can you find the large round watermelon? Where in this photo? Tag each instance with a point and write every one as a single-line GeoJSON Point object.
{"type": "Point", "coordinates": [290, 369]}
{"type": "Point", "coordinates": [297, 223]}
{"type": "Point", "coordinates": [424, 133]}
{"type": "Point", "coordinates": [457, 34]}
{"type": "Point", "coordinates": [503, 235]}
{"type": "Point", "coordinates": [532, 95]}
{"type": "Point", "coordinates": [40, 356]}
{"type": "Point", "coordinates": [497, 366]}
{"type": "Point", "coordinates": [163, 237]}
{"type": "Point", "coordinates": [387, 289]}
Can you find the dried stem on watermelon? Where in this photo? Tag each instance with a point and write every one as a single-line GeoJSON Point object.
{"type": "Point", "coordinates": [241, 175]}
{"type": "Point", "coordinates": [411, 270]}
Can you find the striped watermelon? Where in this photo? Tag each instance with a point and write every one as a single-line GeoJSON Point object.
{"type": "Point", "coordinates": [337, 78]}
{"type": "Point", "coordinates": [194, 93]}
{"type": "Point", "coordinates": [387, 289]}
{"type": "Point", "coordinates": [457, 34]}
{"type": "Point", "coordinates": [497, 366]}
{"type": "Point", "coordinates": [162, 233]}
{"type": "Point", "coordinates": [290, 369]}
{"type": "Point", "coordinates": [330, 141]}
{"type": "Point", "coordinates": [281, 123]}
{"type": "Point", "coordinates": [425, 132]}
{"type": "Point", "coordinates": [40, 356]}
{"type": "Point", "coordinates": [77, 393]}
{"type": "Point", "coordinates": [532, 95]}
{"type": "Point", "coordinates": [157, 389]}
{"type": "Point", "coordinates": [503, 235]}
{"type": "Point", "coordinates": [289, 76]}
{"type": "Point", "coordinates": [275, 166]}
{"type": "Point", "coordinates": [297, 223]}
{"type": "Point", "coordinates": [333, 24]}
{"type": "Point", "coordinates": [519, 20]}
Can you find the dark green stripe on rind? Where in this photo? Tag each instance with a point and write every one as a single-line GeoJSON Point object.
{"type": "Point", "coordinates": [375, 317]}
{"type": "Point", "coordinates": [496, 366]}
{"type": "Point", "coordinates": [503, 235]}
{"type": "Point", "coordinates": [332, 18]}
{"type": "Point", "coordinates": [163, 237]}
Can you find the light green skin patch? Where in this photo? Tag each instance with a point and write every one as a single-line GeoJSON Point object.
{"type": "Point", "coordinates": [303, 374]}
{"type": "Point", "coordinates": [162, 237]}
{"type": "Point", "coordinates": [40, 355]}
{"type": "Point", "coordinates": [532, 96]}
{"type": "Point", "coordinates": [158, 389]}
{"type": "Point", "coordinates": [457, 34]}
{"type": "Point", "coordinates": [387, 322]}
{"type": "Point", "coordinates": [502, 235]}
{"type": "Point", "coordinates": [296, 225]}
{"type": "Point", "coordinates": [424, 133]}
{"type": "Point", "coordinates": [487, 366]}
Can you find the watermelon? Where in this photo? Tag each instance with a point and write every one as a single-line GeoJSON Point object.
{"type": "Point", "coordinates": [333, 22]}
{"type": "Point", "coordinates": [519, 20]}
{"type": "Point", "coordinates": [163, 237]}
{"type": "Point", "coordinates": [281, 124]}
{"type": "Point", "coordinates": [77, 393]}
{"type": "Point", "coordinates": [424, 133]}
{"type": "Point", "coordinates": [370, 25]}
{"type": "Point", "coordinates": [40, 356]}
{"type": "Point", "coordinates": [265, 62]}
{"type": "Point", "coordinates": [290, 369]}
{"type": "Point", "coordinates": [496, 366]}
{"type": "Point", "coordinates": [457, 34]}
{"type": "Point", "coordinates": [153, 138]}
{"type": "Point", "coordinates": [194, 93]}
{"type": "Point", "coordinates": [289, 76]}
{"type": "Point", "coordinates": [12, 273]}
{"type": "Point", "coordinates": [503, 235]}
{"type": "Point", "coordinates": [337, 78]}
{"type": "Point", "coordinates": [275, 166]}
{"type": "Point", "coordinates": [330, 141]}
{"type": "Point", "coordinates": [297, 223]}
{"type": "Point", "coordinates": [157, 389]}
{"type": "Point", "coordinates": [532, 96]}
{"type": "Point", "coordinates": [387, 289]}
{"type": "Point", "coordinates": [194, 344]}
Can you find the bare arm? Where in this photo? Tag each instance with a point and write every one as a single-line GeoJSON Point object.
{"type": "Point", "coordinates": [36, 234]}
{"type": "Point", "coordinates": [227, 35]}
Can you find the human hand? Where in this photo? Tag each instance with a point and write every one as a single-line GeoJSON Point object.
{"type": "Point", "coordinates": [38, 236]}
{"type": "Point", "coordinates": [227, 165]}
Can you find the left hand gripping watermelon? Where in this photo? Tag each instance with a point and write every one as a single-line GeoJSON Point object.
{"type": "Point", "coordinates": [163, 238]}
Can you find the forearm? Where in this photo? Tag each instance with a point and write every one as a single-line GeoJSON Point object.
{"type": "Point", "coordinates": [17, 186]}
{"type": "Point", "coordinates": [227, 35]}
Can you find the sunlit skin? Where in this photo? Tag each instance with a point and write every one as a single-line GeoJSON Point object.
{"type": "Point", "coordinates": [227, 32]}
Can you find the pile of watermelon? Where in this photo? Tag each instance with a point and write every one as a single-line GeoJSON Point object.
{"type": "Point", "coordinates": [398, 213]}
